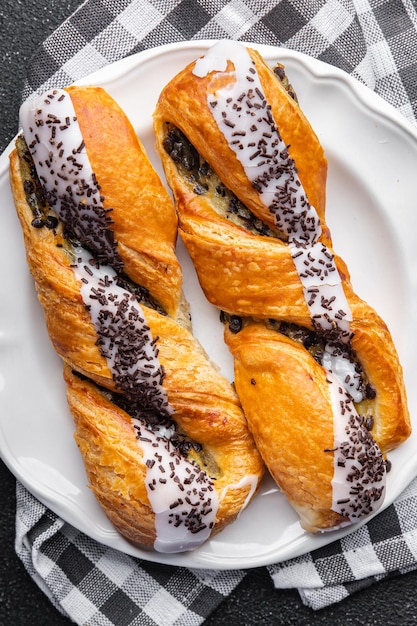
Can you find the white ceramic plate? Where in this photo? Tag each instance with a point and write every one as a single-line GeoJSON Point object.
{"type": "Point", "coordinates": [372, 211]}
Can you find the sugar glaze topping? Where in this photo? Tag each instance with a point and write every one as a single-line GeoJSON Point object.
{"type": "Point", "coordinates": [181, 494]}
{"type": "Point", "coordinates": [250, 481]}
{"type": "Point", "coordinates": [55, 141]}
{"type": "Point", "coordinates": [124, 338]}
{"type": "Point", "coordinates": [337, 362]}
{"type": "Point", "coordinates": [244, 116]}
{"type": "Point", "coordinates": [359, 468]}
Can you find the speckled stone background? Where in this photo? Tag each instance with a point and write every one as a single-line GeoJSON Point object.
{"type": "Point", "coordinates": [24, 24]}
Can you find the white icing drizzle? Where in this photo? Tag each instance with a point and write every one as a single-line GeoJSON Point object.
{"type": "Point", "coordinates": [182, 496]}
{"type": "Point", "coordinates": [125, 339]}
{"type": "Point", "coordinates": [359, 468]}
{"type": "Point", "coordinates": [250, 481]}
{"type": "Point", "coordinates": [245, 118]}
{"type": "Point", "coordinates": [340, 365]}
{"type": "Point", "coordinates": [55, 141]}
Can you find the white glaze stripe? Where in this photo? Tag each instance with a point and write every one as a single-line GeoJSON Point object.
{"type": "Point", "coordinates": [125, 339]}
{"type": "Point", "coordinates": [55, 141]}
{"type": "Point", "coordinates": [182, 497]}
{"type": "Point", "coordinates": [250, 481]}
{"type": "Point", "coordinates": [359, 478]}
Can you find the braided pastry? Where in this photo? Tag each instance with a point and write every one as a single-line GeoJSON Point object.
{"type": "Point", "coordinates": [315, 366]}
{"type": "Point", "coordinates": [164, 440]}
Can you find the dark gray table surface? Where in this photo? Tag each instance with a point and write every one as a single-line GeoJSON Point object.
{"type": "Point", "coordinates": [24, 24]}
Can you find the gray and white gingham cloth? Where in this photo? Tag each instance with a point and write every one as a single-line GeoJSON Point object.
{"type": "Point", "coordinates": [376, 42]}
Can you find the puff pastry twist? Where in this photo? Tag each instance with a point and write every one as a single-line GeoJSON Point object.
{"type": "Point", "coordinates": [163, 438]}
{"type": "Point", "coordinates": [316, 369]}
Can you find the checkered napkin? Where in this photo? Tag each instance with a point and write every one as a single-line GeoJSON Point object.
{"type": "Point", "coordinates": [374, 41]}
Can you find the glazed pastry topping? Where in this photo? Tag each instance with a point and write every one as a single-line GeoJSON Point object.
{"type": "Point", "coordinates": [123, 335]}
{"type": "Point", "coordinates": [245, 119]}
{"type": "Point", "coordinates": [56, 144]}
{"type": "Point", "coordinates": [247, 481]}
{"type": "Point", "coordinates": [359, 467]}
{"type": "Point", "coordinates": [244, 116]}
{"type": "Point", "coordinates": [182, 496]}
{"type": "Point", "coordinates": [338, 362]}
{"type": "Point", "coordinates": [323, 291]}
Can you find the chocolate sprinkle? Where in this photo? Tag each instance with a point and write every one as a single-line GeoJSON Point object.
{"type": "Point", "coordinates": [367, 469]}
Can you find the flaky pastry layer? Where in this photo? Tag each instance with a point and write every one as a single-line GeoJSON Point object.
{"type": "Point", "coordinates": [141, 209]}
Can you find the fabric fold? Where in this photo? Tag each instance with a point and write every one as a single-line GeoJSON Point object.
{"type": "Point", "coordinates": [385, 546]}
{"type": "Point", "coordinates": [374, 42]}
{"type": "Point", "coordinates": [92, 584]}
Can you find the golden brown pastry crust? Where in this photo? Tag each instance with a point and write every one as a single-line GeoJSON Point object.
{"type": "Point", "coordinates": [69, 325]}
{"type": "Point", "coordinates": [243, 273]}
{"type": "Point", "coordinates": [141, 207]}
{"type": "Point", "coordinates": [112, 458]}
{"type": "Point", "coordinates": [294, 429]}
{"type": "Point", "coordinates": [206, 407]}
{"type": "Point", "coordinates": [240, 272]}
{"type": "Point", "coordinates": [252, 275]}
{"type": "Point", "coordinates": [376, 352]}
